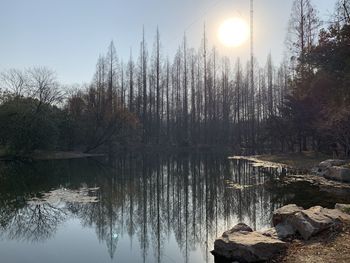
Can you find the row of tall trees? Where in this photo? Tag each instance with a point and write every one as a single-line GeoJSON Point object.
{"type": "Point", "coordinates": [198, 98]}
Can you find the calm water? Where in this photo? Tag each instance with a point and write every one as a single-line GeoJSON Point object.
{"type": "Point", "coordinates": [151, 208]}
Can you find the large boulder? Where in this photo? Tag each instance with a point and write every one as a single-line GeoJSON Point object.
{"type": "Point", "coordinates": [334, 169]}
{"type": "Point", "coordinates": [247, 246]}
{"type": "Point", "coordinates": [312, 221]}
{"type": "Point", "coordinates": [316, 219]}
{"type": "Point", "coordinates": [291, 219]}
{"type": "Point", "coordinates": [280, 215]}
{"type": "Point", "coordinates": [338, 173]}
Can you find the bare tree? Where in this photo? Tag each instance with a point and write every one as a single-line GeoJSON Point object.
{"type": "Point", "coordinates": [43, 86]}
{"type": "Point", "coordinates": [13, 80]}
{"type": "Point", "coordinates": [303, 29]}
{"type": "Point", "coordinates": [342, 12]}
{"type": "Point", "coordinates": [130, 73]}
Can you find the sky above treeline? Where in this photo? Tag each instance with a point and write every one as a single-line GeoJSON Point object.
{"type": "Point", "coordinates": [69, 35]}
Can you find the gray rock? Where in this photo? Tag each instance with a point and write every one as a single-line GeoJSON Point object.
{"type": "Point", "coordinates": [302, 225]}
{"type": "Point", "coordinates": [331, 162]}
{"type": "Point", "coordinates": [246, 246]}
{"type": "Point", "coordinates": [318, 219]}
{"type": "Point", "coordinates": [315, 220]}
{"type": "Point", "coordinates": [281, 214]}
{"type": "Point", "coordinates": [324, 167]}
{"type": "Point", "coordinates": [281, 231]}
{"type": "Point", "coordinates": [237, 228]}
{"type": "Point", "coordinates": [336, 214]}
{"type": "Point", "coordinates": [322, 172]}
{"type": "Point", "coordinates": [242, 244]}
{"type": "Point", "coordinates": [338, 173]}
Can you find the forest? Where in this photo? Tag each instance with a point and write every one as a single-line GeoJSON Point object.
{"type": "Point", "coordinates": [196, 99]}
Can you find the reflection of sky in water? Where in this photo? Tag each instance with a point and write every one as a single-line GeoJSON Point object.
{"type": "Point", "coordinates": [150, 209]}
{"type": "Point", "coordinates": [75, 243]}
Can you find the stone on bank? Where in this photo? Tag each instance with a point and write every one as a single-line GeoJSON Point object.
{"type": "Point", "coordinates": [242, 244]}
{"type": "Point", "coordinates": [334, 170]}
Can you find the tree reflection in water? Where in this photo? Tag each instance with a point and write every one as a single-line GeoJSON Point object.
{"type": "Point", "coordinates": [33, 223]}
{"type": "Point", "coordinates": [191, 197]}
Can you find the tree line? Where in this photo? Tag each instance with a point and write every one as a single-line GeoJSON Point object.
{"type": "Point", "coordinates": [197, 99]}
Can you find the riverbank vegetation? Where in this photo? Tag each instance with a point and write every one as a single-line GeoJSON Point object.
{"type": "Point", "coordinates": [197, 99]}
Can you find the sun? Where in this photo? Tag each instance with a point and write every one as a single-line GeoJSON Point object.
{"type": "Point", "coordinates": [233, 32]}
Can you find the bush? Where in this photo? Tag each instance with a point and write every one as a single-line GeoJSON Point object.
{"type": "Point", "coordinates": [24, 128]}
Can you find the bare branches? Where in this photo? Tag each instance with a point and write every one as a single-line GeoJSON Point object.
{"type": "Point", "coordinates": [43, 85]}
{"type": "Point", "coordinates": [13, 80]}
{"type": "Point", "coordinates": [303, 28]}
{"type": "Point", "coordinates": [346, 11]}
{"type": "Point", "coordinates": [39, 83]}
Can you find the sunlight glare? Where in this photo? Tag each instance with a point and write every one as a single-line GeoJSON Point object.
{"type": "Point", "coordinates": [233, 32]}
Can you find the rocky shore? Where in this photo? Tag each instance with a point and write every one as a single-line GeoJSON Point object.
{"type": "Point", "coordinates": [331, 175]}
{"type": "Point", "coordinates": [293, 227]}
{"type": "Point", "coordinates": [289, 223]}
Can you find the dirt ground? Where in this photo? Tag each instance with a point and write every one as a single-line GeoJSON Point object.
{"type": "Point", "coordinates": [326, 248]}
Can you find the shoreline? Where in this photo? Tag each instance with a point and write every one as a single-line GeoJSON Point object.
{"type": "Point", "coordinates": [300, 172]}
{"type": "Point", "coordinates": [329, 246]}
{"type": "Point", "coordinates": [316, 234]}
{"type": "Point", "coordinates": [51, 155]}
{"type": "Point", "coordinates": [62, 155]}
{"type": "Point", "coordinates": [298, 161]}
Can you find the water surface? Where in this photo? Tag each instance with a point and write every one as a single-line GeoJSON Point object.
{"type": "Point", "coordinates": [136, 208]}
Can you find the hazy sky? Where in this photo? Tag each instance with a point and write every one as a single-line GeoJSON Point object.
{"type": "Point", "coordinates": [68, 35]}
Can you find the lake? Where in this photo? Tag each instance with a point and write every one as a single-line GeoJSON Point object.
{"type": "Point", "coordinates": [136, 208]}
